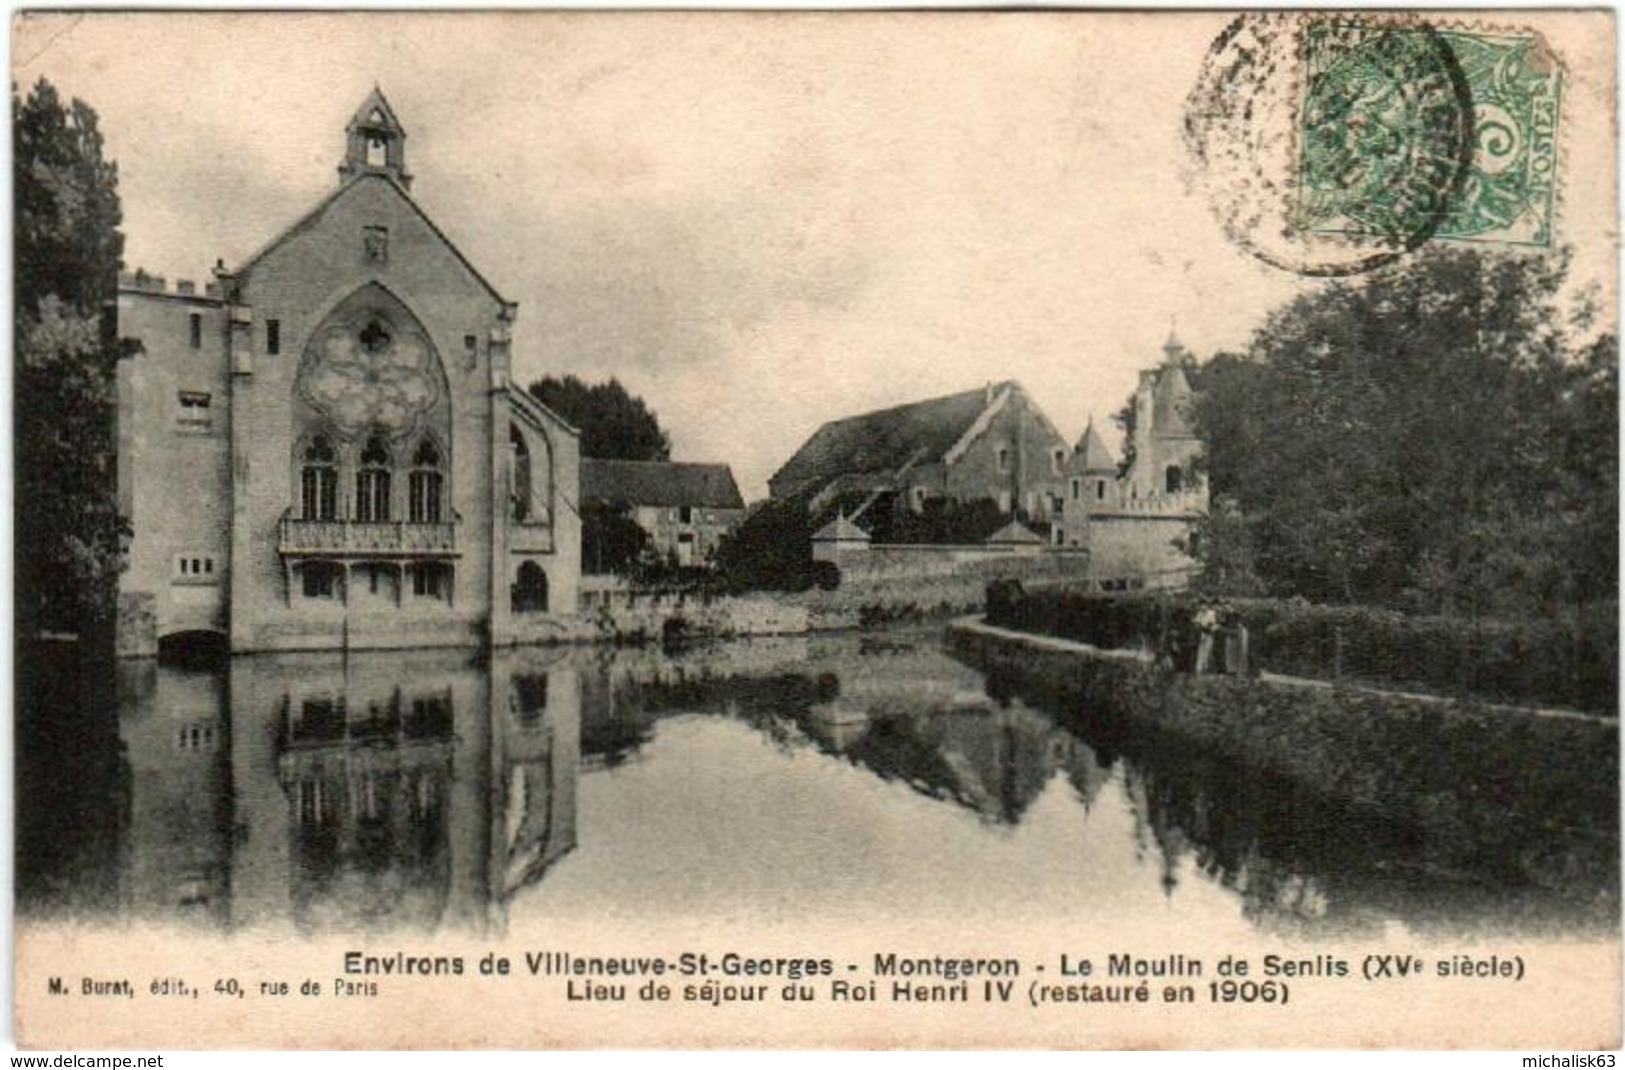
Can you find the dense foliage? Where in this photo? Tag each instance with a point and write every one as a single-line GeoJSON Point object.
{"type": "Point", "coordinates": [771, 549]}
{"type": "Point", "coordinates": [1439, 437]}
{"type": "Point", "coordinates": [614, 424]}
{"type": "Point", "coordinates": [939, 521]}
{"type": "Point", "coordinates": [1533, 661]}
{"type": "Point", "coordinates": [69, 536]}
{"type": "Point", "coordinates": [611, 541]}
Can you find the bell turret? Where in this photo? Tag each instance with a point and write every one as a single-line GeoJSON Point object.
{"type": "Point", "coordinates": [375, 142]}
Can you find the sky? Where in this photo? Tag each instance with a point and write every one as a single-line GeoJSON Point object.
{"type": "Point", "coordinates": [757, 222]}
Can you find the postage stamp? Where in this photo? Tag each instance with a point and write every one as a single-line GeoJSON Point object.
{"type": "Point", "coordinates": [1410, 131]}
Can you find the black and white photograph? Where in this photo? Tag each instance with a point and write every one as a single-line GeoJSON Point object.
{"type": "Point", "coordinates": [981, 529]}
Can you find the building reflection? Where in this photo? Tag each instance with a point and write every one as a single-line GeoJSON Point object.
{"type": "Point", "coordinates": [350, 794]}
{"type": "Point", "coordinates": [429, 790]}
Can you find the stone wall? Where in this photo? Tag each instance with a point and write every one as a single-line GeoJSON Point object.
{"type": "Point", "coordinates": [905, 562]}
{"type": "Point", "coordinates": [1537, 791]}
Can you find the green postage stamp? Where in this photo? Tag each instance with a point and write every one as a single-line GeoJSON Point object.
{"type": "Point", "coordinates": [1409, 131]}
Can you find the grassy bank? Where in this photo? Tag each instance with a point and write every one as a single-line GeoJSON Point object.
{"type": "Point", "coordinates": [1569, 663]}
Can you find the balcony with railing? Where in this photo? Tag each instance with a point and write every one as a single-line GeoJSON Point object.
{"type": "Point", "coordinates": [367, 538]}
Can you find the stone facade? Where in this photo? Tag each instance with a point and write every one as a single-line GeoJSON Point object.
{"type": "Point", "coordinates": [1137, 526]}
{"type": "Point", "coordinates": [994, 444]}
{"type": "Point", "coordinates": [323, 449]}
{"type": "Point", "coordinates": [685, 508]}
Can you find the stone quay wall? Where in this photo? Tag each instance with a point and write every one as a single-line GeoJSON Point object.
{"type": "Point", "coordinates": [1534, 788]}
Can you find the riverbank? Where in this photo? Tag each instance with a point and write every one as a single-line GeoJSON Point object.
{"type": "Point", "coordinates": [1534, 790]}
{"type": "Point", "coordinates": [613, 611]}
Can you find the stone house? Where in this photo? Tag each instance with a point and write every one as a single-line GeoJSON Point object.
{"type": "Point", "coordinates": [993, 443]}
{"type": "Point", "coordinates": [322, 448]}
{"type": "Point", "coordinates": [684, 508]}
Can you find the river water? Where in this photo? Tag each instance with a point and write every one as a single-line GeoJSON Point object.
{"type": "Point", "coordinates": [833, 778]}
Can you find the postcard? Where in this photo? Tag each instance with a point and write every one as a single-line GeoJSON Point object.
{"type": "Point", "coordinates": [1062, 529]}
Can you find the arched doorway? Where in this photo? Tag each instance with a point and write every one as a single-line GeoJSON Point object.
{"type": "Point", "coordinates": [530, 589]}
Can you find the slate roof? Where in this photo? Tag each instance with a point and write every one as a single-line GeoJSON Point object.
{"type": "Point", "coordinates": [1014, 533]}
{"type": "Point", "coordinates": [841, 530]}
{"type": "Point", "coordinates": [1170, 404]}
{"type": "Point", "coordinates": [885, 440]}
{"type": "Point", "coordinates": [659, 483]}
{"type": "Point", "coordinates": [1093, 453]}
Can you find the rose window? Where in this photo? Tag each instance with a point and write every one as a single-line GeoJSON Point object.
{"type": "Point", "coordinates": [365, 374]}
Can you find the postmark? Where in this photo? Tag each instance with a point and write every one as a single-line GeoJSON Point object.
{"type": "Point", "coordinates": [1380, 134]}
{"type": "Point", "coordinates": [1384, 132]}
{"type": "Point", "coordinates": [1333, 145]}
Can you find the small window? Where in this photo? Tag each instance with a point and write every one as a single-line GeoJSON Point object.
{"type": "Point", "coordinates": [1175, 479]}
{"type": "Point", "coordinates": [685, 514]}
{"type": "Point", "coordinates": [1059, 459]}
{"type": "Point", "coordinates": [375, 244]}
{"type": "Point", "coordinates": [195, 412]}
{"type": "Point", "coordinates": [273, 337]}
{"type": "Point", "coordinates": [1004, 458]}
{"type": "Point", "coordinates": [685, 536]}
{"type": "Point", "coordinates": [1100, 490]}
{"type": "Point", "coordinates": [1077, 489]}
{"type": "Point", "coordinates": [471, 344]}
{"type": "Point", "coordinates": [321, 580]}
{"type": "Point", "coordinates": [429, 581]}
{"type": "Point", "coordinates": [194, 568]}
{"type": "Point", "coordinates": [197, 330]}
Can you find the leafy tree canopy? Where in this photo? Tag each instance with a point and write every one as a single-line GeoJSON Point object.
{"type": "Point", "coordinates": [69, 537]}
{"type": "Point", "coordinates": [1433, 436]}
{"type": "Point", "coordinates": [614, 424]}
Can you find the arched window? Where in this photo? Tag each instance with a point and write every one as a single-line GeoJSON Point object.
{"type": "Point", "coordinates": [424, 485]}
{"type": "Point", "coordinates": [1175, 479]}
{"type": "Point", "coordinates": [530, 590]}
{"type": "Point", "coordinates": [519, 487]}
{"type": "Point", "coordinates": [319, 481]}
{"type": "Point", "coordinates": [372, 481]}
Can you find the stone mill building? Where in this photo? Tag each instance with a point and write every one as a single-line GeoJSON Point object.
{"type": "Point", "coordinates": [321, 447]}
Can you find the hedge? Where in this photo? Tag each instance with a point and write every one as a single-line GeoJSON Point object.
{"type": "Point", "coordinates": [1572, 664]}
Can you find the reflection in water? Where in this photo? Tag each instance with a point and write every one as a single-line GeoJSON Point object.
{"type": "Point", "coordinates": [414, 792]}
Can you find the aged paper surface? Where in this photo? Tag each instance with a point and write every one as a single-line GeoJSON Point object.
{"type": "Point", "coordinates": [361, 826]}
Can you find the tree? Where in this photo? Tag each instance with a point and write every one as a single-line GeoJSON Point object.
{"type": "Point", "coordinates": [1428, 436]}
{"type": "Point", "coordinates": [69, 536]}
{"type": "Point", "coordinates": [611, 541]}
{"type": "Point", "coordinates": [614, 424]}
{"type": "Point", "coordinates": [771, 549]}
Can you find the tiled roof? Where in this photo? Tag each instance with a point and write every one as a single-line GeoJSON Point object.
{"type": "Point", "coordinates": [1093, 455]}
{"type": "Point", "coordinates": [841, 530]}
{"type": "Point", "coordinates": [1014, 532]}
{"type": "Point", "coordinates": [659, 483]}
{"type": "Point", "coordinates": [1170, 403]}
{"type": "Point", "coordinates": [885, 440]}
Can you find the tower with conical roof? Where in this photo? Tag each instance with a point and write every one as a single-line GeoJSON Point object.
{"type": "Point", "coordinates": [1165, 447]}
{"type": "Point", "coordinates": [1092, 485]}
